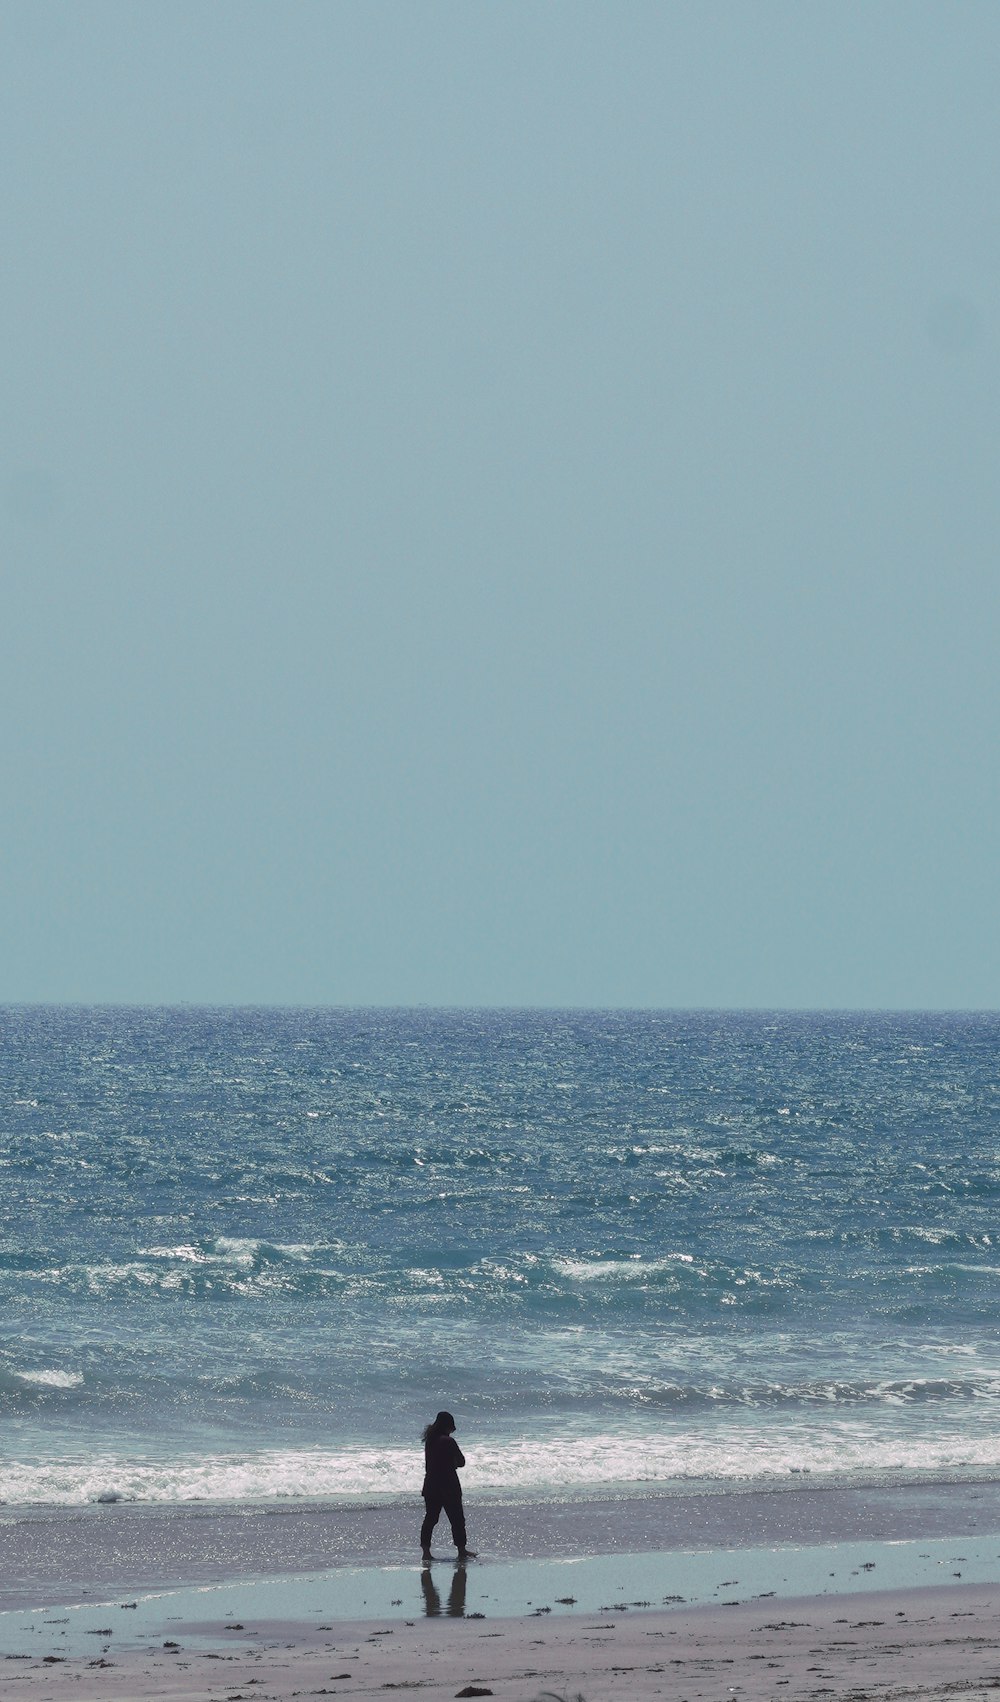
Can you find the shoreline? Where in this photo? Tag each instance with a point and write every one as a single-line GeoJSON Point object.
{"type": "Point", "coordinates": [50, 1556]}
{"type": "Point", "coordinates": [803, 1595]}
{"type": "Point", "coordinates": [497, 1590]}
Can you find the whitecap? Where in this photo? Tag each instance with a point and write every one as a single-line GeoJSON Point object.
{"type": "Point", "coordinates": [51, 1379]}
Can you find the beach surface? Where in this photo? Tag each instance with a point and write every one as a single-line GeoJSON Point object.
{"type": "Point", "coordinates": [58, 1555]}
{"type": "Point", "coordinates": [930, 1643]}
{"type": "Point", "coordinates": [844, 1593]}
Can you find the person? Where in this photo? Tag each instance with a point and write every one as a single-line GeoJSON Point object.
{"type": "Point", "coordinates": [442, 1491]}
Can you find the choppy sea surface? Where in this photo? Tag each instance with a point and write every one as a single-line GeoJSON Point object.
{"type": "Point", "coordinates": [247, 1254]}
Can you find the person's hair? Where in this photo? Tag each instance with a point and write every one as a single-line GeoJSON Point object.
{"type": "Point", "coordinates": [443, 1425]}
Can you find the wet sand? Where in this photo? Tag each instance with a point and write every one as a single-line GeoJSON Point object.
{"type": "Point", "coordinates": [928, 1644]}
{"type": "Point", "coordinates": [59, 1555]}
{"type": "Point", "coordinates": [808, 1594]}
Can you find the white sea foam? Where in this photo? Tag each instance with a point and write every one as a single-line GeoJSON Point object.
{"type": "Point", "coordinates": [559, 1464]}
{"type": "Point", "coordinates": [51, 1379]}
{"type": "Point", "coordinates": [619, 1270]}
{"type": "Point", "coordinates": [236, 1250]}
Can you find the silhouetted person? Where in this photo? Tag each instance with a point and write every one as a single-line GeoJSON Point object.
{"type": "Point", "coordinates": [442, 1491]}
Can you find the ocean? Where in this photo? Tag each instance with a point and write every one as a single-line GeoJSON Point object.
{"type": "Point", "coordinates": [247, 1254]}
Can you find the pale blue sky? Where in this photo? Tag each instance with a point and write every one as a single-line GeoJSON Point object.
{"type": "Point", "coordinates": [499, 502]}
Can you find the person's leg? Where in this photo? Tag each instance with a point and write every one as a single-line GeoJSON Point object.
{"type": "Point", "coordinates": [431, 1517]}
{"type": "Point", "coordinates": [456, 1516]}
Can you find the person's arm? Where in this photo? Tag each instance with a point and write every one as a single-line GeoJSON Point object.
{"type": "Point", "coordinates": [459, 1457]}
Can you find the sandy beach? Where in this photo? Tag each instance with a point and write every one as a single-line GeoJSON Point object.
{"type": "Point", "coordinates": [898, 1597]}
{"type": "Point", "coordinates": [932, 1643]}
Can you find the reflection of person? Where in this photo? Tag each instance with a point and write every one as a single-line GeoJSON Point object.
{"type": "Point", "coordinates": [442, 1491]}
{"type": "Point", "coordinates": [456, 1595]}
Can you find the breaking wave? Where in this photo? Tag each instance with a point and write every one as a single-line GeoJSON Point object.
{"type": "Point", "coordinates": [605, 1463]}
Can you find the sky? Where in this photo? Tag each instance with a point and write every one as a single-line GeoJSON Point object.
{"type": "Point", "coordinates": [499, 502]}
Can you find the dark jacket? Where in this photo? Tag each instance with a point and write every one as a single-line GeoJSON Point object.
{"type": "Point", "coordinates": [442, 1458]}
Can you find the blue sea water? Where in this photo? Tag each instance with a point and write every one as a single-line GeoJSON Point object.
{"type": "Point", "coordinates": [248, 1253]}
